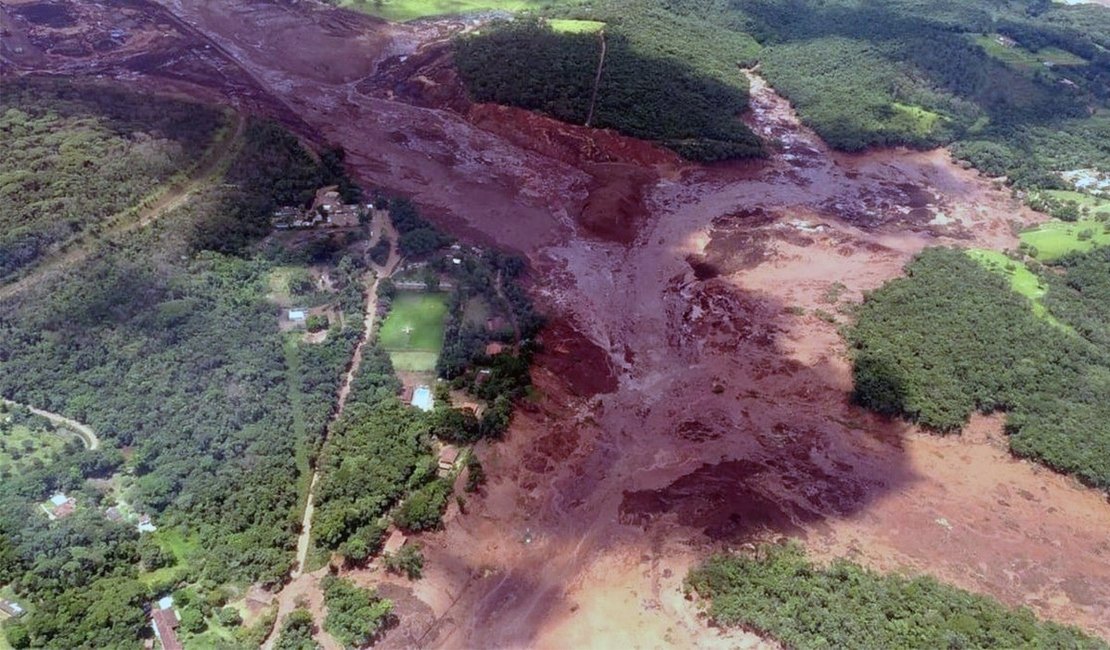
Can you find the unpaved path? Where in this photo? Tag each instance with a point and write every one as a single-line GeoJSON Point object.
{"type": "Point", "coordinates": [306, 586]}
{"type": "Point", "coordinates": [597, 77]}
{"type": "Point", "coordinates": [210, 169]}
{"type": "Point", "coordinates": [83, 431]}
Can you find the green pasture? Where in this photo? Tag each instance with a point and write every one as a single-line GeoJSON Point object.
{"type": "Point", "coordinates": [20, 445]}
{"type": "Point", "coordinates": [1093, 203]}
{"type": "Point", "coordinates": [413, 331]}
{"type": "Point", "coordinates": [1022, 280]}
{"type": "Point", "coordinates": [404, 10]}
{"type": "Point", "coordinates": [1019, 57]}
{"type": "Point", "coordinates": [568, 26]}
{"type": "Point", "coordinates": [1054, 239]}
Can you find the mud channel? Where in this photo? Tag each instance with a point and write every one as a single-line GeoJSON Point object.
{"type": "Point", "coordinates": [694, 392]}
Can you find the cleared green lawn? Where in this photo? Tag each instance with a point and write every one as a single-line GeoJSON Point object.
{"type": "Point", "coordinates": [1093, 203]}
{"type": "Point", "coordinates": [403, 10]}
{"type": "Point", "coordinates": [568, 26]}
{"type": "Point", "coordinates": [1055, 239]}
{"type": "Point", "coordinates": [1020, 57]}
{"type": "Point", "coordinates": [19, 445]}
{"type": "Point", "coordinates": [1022, 280]}
{"type": "Point", "coordinates": [413, 331]}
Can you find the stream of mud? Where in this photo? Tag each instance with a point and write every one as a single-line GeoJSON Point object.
{"type": "Point", "coordinates": [694, 393]}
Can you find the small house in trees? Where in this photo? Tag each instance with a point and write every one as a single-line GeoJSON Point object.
{"type": "Point", "coordinates": [164, 622]}
{"type": "Point", "coordinates": [494, 348]}
{"type": "Point", "coordinates": [11, 608]}
{"type": "Point", "coordinates": [448, 456]}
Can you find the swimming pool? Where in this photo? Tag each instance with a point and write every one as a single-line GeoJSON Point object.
{"type": "Point", "coordinates": [422, 398]}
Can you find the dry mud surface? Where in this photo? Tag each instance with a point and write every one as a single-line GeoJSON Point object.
{"type": "Point", "coordinates": [691, 399]}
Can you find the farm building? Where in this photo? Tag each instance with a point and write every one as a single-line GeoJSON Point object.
{"type": "Point", "coordinates": [448, 456]}
{"type": "Point", "coordinates": [59, 506]}
{"type": "Point", "coordinates": [11, 608]}
{"type": "Point", "coordinates": [146, 525]}
{"type": "Point", "coordinates": [298, 315]}
{"type": "Point", "coordinates": [164, 622]}
{"type": "Point", "coordinates": [493, 349]}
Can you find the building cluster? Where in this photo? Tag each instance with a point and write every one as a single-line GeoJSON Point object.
{"type": "Point", "coordinates": [328, 211]}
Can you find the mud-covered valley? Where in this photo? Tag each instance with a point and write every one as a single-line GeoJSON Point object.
{"type": "Point", "coordinates": [694, 389]}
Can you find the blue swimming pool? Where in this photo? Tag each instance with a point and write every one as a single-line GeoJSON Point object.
{"type": "Point", "coordinates": [422, 398]}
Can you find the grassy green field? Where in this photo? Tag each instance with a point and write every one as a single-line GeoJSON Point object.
{"type": "Point", "coordinates": [1055, 239]}
{"type": "Point", "coordinates": [568, 26]}
{"type": "Point", "coordinates": [413, 331]}
{"type": "Point", "coordinates": [20, 445]}
{"type": "Point", "coordinates": [1022, 280]}
{"type": "Point", "coordinates": [403, 10]}
{"type": "Point", "coordinates": [1084, 200]}
{"type": "Point", "coordinates": [1022, 58]}
{"type": "Point", "coordinates": [181, 547]}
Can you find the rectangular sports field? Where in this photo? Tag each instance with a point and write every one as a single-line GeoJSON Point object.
{"type": "Point", "coordinates": [413, 331]}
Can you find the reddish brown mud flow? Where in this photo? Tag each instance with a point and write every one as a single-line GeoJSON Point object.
{"type": "Point", "coordinates": [691, 399]}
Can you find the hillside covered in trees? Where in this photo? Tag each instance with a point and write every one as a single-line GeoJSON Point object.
{"type": "Point", "coordinates": [779, 593]}
{"type": "Point", "coordinates": [952, 338]}
{"type": "Point", "coordinates": [73, 154]}
{"type": "Point", "coordinates": [686, 94]}
{"type": "Point", "coordinates": [1018, 88]}
{"type": "Point", "coordinates": [167, 343]}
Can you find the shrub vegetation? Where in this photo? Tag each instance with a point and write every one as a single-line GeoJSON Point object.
{"type": "Point", "coordinates": [778, 592]}
{"type": "Point", "coordinates": [952, 337]}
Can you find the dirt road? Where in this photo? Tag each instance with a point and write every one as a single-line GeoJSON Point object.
{"type": "Point", "coordinates": [304, 586]}
{"type": "Point", "coordinates": [210, 169]}
{"type": "Point", "coordinates": [82, 431]}
{"type": "Point", "coordinates": [693, 394]}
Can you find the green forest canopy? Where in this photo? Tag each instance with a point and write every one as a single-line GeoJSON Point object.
{"type": "Point", "coordinates": [952, 337]}
{"type": "Point", "coordinates": [73, 154]}
{"type": "Point", "coordinates": [164, 342]}
{"type": "Point", "coordinates": [907, 72]}
{"type": "Point", "coordinates": [779, 593]}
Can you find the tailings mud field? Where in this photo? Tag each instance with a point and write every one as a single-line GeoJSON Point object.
{"type": "Point", "coordinates": [694, 388]}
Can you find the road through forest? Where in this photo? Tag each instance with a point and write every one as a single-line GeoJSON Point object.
{"type": "Point", "coordinates": [304, 585]}
{"type": "Point", "coordinates": [83, 431]}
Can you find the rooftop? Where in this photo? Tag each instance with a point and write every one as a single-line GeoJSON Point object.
{"type": "Point", "coordinates": [395, 542]}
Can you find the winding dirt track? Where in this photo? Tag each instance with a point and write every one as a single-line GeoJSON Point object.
{"type": "Point", "coordinates": [211, 167]}
{"type": "Point", "coordinates": [83, 431]}
{"type": "Point", "coordinates": [693, 394]}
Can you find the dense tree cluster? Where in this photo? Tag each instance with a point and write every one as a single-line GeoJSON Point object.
{"type": "Point", "coordinates": [951, 338]}
{"type": "Point", "coordinates": [907, 72]}
{"type": "Point", "coordinates": [374, 456]}
{"type": "Point", "coordinates": [910, 72]}
{"type": "Point", "coordinates": [176, 355]}
{"type": "Point", "coordinates": [73, 154]}
{"type": "Point", "coordinates": [355, 615]}
{"type": "Point", "coordinates": [296, 632]}
{"type": "Point", "coordinates": [272, 170]}
{"type": "Point", "coordinates": [417, 236]}
{"type": "Point", "coordinates": [779, 593]}
{"type": "Point", "coordinates": [651, 87]}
